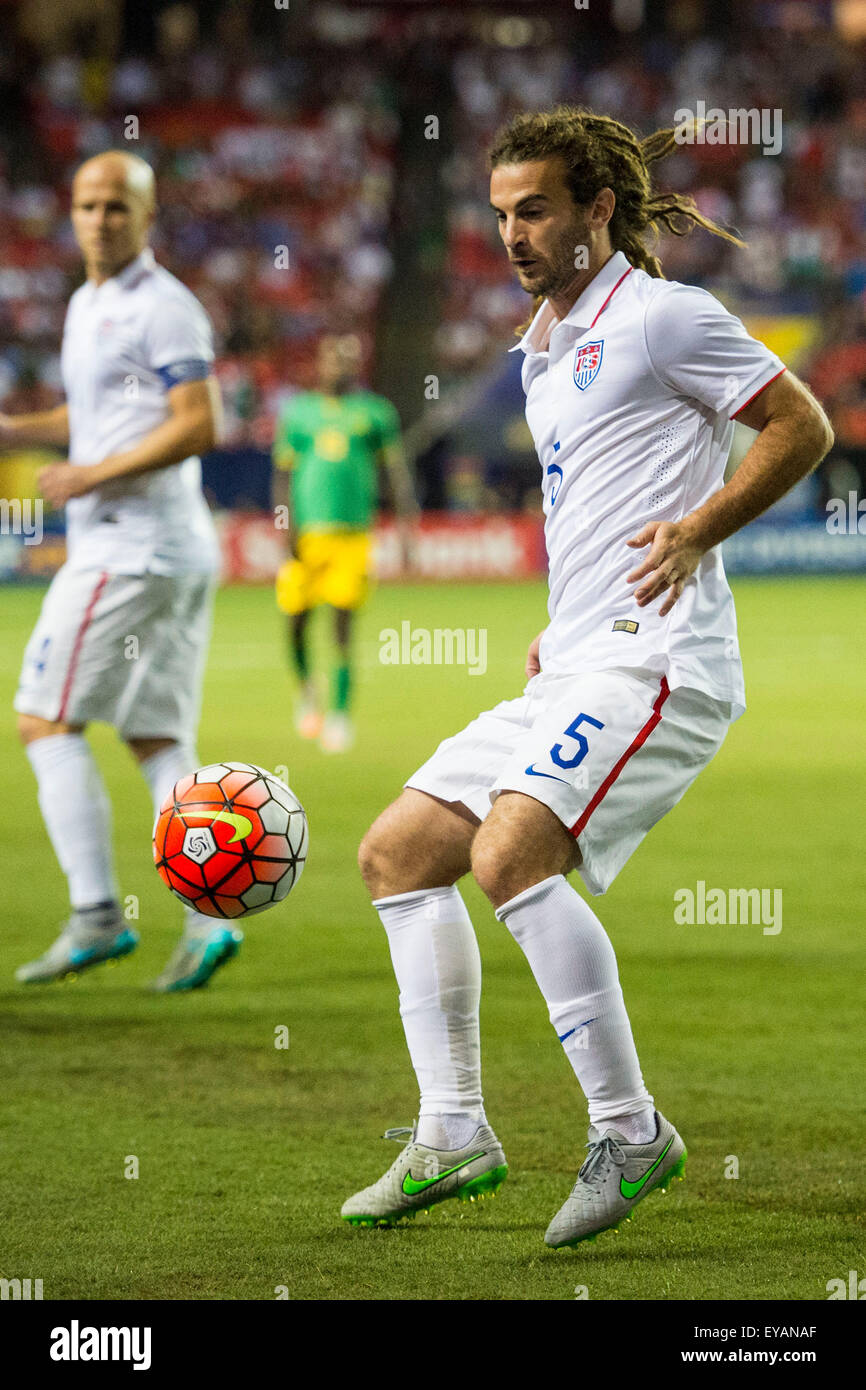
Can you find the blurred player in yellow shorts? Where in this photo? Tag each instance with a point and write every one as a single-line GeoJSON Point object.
{"type": "Point", "coordinates": [331, 567]}
{"type": "Point", "coordinates": [327, 450]}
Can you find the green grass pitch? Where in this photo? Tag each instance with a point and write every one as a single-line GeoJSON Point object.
{"type": "Point", "coordinates": [751, 1043]}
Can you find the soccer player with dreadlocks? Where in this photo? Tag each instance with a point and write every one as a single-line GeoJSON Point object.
{"type": "Point", "coordinates": [632, 386]}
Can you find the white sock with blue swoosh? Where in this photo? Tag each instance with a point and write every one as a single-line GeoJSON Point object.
{"type": "Point", "coordinates": [574, 964]}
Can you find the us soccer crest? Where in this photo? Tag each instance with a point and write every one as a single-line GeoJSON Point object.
{"type": "Point", "coordinates": [587, 361]}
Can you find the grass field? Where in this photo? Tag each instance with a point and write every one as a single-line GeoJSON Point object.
{"type": "Point", "coordinates": [752, 1044]}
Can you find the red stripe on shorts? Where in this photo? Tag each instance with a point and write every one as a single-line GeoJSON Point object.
{"type": "Point", "coordinates": [641, 738]}
{"type": "Point", "coordinates": [79, 639]}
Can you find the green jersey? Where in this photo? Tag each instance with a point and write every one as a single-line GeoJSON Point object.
{"type": "Point", "coordinates": [331, 445]}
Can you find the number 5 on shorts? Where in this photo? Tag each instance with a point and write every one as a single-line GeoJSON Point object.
{"type": "Point", "coordinates": [582, 745]}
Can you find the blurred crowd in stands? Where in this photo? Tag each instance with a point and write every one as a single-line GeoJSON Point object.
{"type": "Point", "coordinates": [275, 191]}
{"type": "Point", "coordinates": [802, 211]}
{"type": "Point", "coordinates": [279, 165]}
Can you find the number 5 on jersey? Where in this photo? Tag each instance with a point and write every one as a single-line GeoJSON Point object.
{"type": "Point", "coordinates": [556, 752]}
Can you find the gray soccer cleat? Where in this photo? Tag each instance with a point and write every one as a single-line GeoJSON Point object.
{"type": "Point", "coordinates": [616, 1176]}
{"type": "Point", "coordinates": [86, 939]}
{"type": "Point", "coordinates": [198, 954]}
{"type": "Point", "coordinates": [419, 1177]}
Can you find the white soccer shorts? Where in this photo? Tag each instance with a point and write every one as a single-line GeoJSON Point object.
{"type": "Point", "coordinates": [610, 752]}
{"type": "Point", "coordinates": [127, 649]}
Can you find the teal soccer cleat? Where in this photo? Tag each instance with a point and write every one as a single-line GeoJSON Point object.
{"type": "Point", "coordinates": [199, 953]}
{"type": "Point", "coordinates": [86, 939]}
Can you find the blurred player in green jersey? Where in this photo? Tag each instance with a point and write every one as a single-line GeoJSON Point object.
{"type": "Point", "coordinates": [327, 449]}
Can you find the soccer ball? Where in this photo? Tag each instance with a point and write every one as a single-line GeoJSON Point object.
{"type": "Point", "coordinates": [230, 840]}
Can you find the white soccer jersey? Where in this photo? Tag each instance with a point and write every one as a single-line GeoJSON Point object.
{"type": "Point", "coordinates": [630, 402]}
{"type": "Point", "coordinates": [125, 344]}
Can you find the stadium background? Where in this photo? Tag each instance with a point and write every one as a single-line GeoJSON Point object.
{"type": "Point", "coordinates": [300, 192]}
{"type": "Point", "coordinates": [305, 128]}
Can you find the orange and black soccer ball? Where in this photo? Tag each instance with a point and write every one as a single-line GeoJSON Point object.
{"type": "Point", "coordinates": [230, 840]}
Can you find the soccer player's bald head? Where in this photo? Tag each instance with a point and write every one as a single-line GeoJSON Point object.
{"type": "Point", "coordinates": [123, 170]}
{"type": "Point", "coordinates": [113, 205]}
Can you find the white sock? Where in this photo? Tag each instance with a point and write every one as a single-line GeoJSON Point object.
{"type": "Point", "coordinates": [635, 1129]}
{"type": "Point", "coordinates": [161, 771]}
{"type": "Point", "coordinates": [77, 816]}
{"type": "Point", "coordinates": [438, 968]}
{"type": "Point", "coordinates": [574, 964]}
{"type": "Point", "coordinates": [447, 1131]}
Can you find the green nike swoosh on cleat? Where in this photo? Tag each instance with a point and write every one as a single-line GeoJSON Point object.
{"type": "Point", "coordinates": [411, 1187]}
{"type": "Point", "coordinates": [631, 1189]}
{"type": "Point", "coordinates": [240, 824]}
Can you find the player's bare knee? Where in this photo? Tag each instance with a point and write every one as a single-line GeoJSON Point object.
{"type": "Point", "coordinates": [382, 862]}
{"type": "Point", "coordinates": [378, 861]}
{"type": "Point", "coordinates": [502, 876]}
{"type": "Point", "coordinates": [32, 727]}
{"type": "Point", "coordinates": [144, 748]}
{"type": "Point", "coordinates": [492, 867]}
{"type": "Point", "coordinates": [416, 843]}
{"type": "Point", "coordinates": [498, 854]}
{"type": "Point", "coordinates": [508, 858]}
{"type": "Point", "coordinates": [28, 727]}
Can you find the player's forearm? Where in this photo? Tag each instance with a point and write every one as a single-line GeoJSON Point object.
{"type": "Point", "coordinates": [786, 451]}
{"type": "Point", "coordinates": [401, 483]}
{"type": "Point", "coordinates": [286, 523]}
{"type": "Point", "coordinates": [406, 506]}
{"type": "Point", "coordinates": [403, 495]}
{"type": "Point", "coordinates": [176, 439]}
{"type": "Point", "coordinates": [44, 427]}
{"type": "Point", "coordinates": [282, 508]}
{"type": "Point", "coordinates": [279, 490]}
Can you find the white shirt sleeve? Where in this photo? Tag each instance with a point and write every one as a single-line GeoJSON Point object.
{"type": "Point", "coordinates": [179, 339]}
{"type": "Point", "coordinates": [698, 349]}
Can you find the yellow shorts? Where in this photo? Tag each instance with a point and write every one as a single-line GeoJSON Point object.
{"type": "Point", "coordinates": [332, 567]}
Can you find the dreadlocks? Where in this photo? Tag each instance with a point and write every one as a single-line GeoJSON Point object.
{"type": "Point", "coordinates": [600, 152]}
